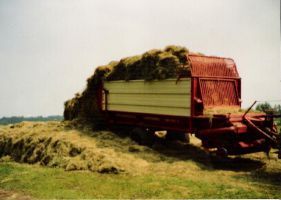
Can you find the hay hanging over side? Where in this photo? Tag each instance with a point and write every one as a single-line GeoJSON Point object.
{"type": "Point", "coordinates": [155, 64]}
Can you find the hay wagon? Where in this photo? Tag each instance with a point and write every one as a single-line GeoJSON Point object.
{"type": "Point", "coordinates": [206, 103]}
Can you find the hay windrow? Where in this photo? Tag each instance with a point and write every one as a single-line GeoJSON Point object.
{"type": "Point", "coordinates": [155, 64]}
{"type": "Point", "coordinates": [71, 146]}
{"type": "Point", "coordinates": [62, 144]}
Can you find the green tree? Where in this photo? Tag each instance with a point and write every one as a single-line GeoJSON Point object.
{"type": "Point", "coordinates": [264, 107]}
{"type": "Point", "coordinates": [277, 109]}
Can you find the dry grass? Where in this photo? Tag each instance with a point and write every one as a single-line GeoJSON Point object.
{"type": "Point", "coordinates": [74, 146]}
{"type": "Point", "coordinates": [60, 144]}
{"type": "Point", "coordinates": [226, 110]}
{"type": "Point", "coordinates": [164, 170]}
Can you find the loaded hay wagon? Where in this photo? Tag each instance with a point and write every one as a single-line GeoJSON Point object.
{"type": "Point", "coordinates": [206, 102]}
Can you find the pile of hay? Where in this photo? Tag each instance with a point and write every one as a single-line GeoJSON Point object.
{"type": "Point", "coordinates": [75, 146]}
{"type": "Point", "coordinates": [62, 144]}
{"type": "Point", "coordinates": [154, 64]}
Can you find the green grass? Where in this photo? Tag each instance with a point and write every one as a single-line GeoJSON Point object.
{"type": "Point", "coordinates": [40, 182]}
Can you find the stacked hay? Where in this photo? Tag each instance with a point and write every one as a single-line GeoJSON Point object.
{"type": "Point", "coordinates": [152, 65]}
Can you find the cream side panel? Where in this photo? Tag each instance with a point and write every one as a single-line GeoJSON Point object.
{"type": "Point", "coordinates": [151, 110]}
{"type": "Point", "coordinates": [168, 100]}
{"type": "Point", "coordinates": [168, 86]}
{"type": "Point", "coordinates": [166, 97]}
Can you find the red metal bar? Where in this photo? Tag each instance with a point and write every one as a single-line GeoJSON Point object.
{"type": "Point", "coordinates": [216, 132]}
{"type": "Point", "coordinates": [261, 132]}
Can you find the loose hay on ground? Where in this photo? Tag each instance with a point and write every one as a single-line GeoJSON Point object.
{"type": "Point", "coordinates": [58, 144]}
{"type": "Point", "coordinates": [73, 147]}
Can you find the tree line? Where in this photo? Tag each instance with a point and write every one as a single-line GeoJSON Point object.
{"type": "Point", "coordinates": [263, 107]}
{"type": "Point", "coordinates": [267, 108]}
{"type": "Point", "coordinates": [17, 119]}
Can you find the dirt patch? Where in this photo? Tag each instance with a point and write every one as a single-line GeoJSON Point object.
{"type": "Point", "coordinates": [10, 195]}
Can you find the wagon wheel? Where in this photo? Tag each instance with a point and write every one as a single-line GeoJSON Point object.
{"type": "Point", "coordinates": [186, 138]}
{"type": "Point", "coordinates": [222, 152]}
{"type": "Point", "coordinates": [141, 136]}
{"type": "Point", "coordinates": [181, 136]}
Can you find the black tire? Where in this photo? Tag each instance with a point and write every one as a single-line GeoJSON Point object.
{"type": "Point", "coordinates": [183, 137]}
{"type": "Point", "coordinates": [142, 137]}
{"type": "Point", "coordinates": [222, 152]}
{"type": "Point", "coordinates": [186, 138]}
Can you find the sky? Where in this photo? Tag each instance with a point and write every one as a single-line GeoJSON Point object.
{"type": "Point", "coordinates": [48, 48]}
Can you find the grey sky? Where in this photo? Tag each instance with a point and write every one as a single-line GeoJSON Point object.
{"type": "Point", "coordinates": [48, 48]}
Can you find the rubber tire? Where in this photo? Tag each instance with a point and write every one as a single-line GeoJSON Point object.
{"type": "Point", "coordinates": [184, 137]}
{"type": "Point", "coordinates": [142, 136]}
{"type": "Point", "coordinates": [222, 152]}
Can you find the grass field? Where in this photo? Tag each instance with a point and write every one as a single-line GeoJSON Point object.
{"type": "Point", "coordinates": [47, 183]}
{"type": "Point", "coordinates": [160, 172]}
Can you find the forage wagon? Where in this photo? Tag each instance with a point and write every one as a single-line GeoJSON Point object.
{"type": "Point", "coordinates": [206, 103]}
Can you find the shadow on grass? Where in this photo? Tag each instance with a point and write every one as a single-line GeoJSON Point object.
{"type": "Point", "coordinates": [171, 151]}
{"type": "Point", "coordinates": [268, 177]}
{"type": "Point", "coordinates": [208, 161]}
{"type": "Point", "coordinates": [237, 164]}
